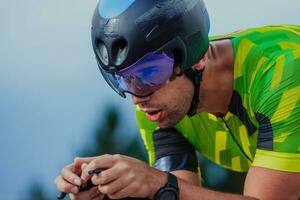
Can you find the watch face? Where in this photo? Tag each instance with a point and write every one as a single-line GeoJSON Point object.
{"type": "Point", "coordinates": [168, 195]}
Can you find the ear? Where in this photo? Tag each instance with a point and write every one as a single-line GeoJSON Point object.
{"type": "Point", "coordinates": [201, 64]}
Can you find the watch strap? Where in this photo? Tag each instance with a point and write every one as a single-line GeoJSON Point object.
{"type": "Point", "coordinates": [172, 181]}
{"type": "Point", "coordinates": [172, 184]}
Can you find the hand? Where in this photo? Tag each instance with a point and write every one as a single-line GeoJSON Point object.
{"type": "Point", "coordinates": [124, 177]}
{"type": "Point", "coordinates": [69, 181]}
{"type": "Point", "coordinates": [92, 194]}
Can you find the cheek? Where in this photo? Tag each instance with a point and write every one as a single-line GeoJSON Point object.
{"type": "Point", "coordinates": [182, 102]}
{"type": "Point", "coordinates": [177, 99]}
{"type": "Point", "coordinates": [175, 93]}
{"type": "Point", "coordinates": [183, 97]}
{"type": "Point", "coordinates": [163, 93]}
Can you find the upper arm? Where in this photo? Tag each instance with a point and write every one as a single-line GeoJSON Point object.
{"type": "Point", "coordinates": [265, 183]}
{"type": "Point", "coordinates": [188, 176]}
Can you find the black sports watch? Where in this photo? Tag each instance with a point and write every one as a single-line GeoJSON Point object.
{"type": "Point", "coordinates": [170, 191]}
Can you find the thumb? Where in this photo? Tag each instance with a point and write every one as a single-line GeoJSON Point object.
{"type": "Point", "coordinates": [83, 166]}
{"type": "Point", "coordinates": [78, 162]}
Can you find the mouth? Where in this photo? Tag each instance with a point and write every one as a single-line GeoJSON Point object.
{"type": "Point", "coordinates": [153, 115]}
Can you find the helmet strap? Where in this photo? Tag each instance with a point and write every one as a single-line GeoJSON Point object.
{"type": "Point", "coordinates": [196, 77]}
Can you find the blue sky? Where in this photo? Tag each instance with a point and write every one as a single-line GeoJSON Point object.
{"type": "Point", "coordinates": [51, 93]}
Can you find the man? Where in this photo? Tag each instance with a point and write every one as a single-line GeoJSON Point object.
{"type": "Point", "coordinates": [235, 100]}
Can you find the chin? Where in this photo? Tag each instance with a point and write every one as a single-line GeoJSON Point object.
{"type": "Point", "coordinates": [167, 123]}
{"type": "Point", "coordinates": [161, 125]}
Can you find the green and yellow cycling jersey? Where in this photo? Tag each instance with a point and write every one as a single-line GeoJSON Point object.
{"type": "Point", "coordinates": [262, 126]}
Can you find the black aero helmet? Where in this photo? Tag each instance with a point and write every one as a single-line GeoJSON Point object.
{"type": "Point", "coordinates": [125, 30]}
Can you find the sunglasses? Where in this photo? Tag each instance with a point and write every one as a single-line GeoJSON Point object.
{"type": "Point", "coordinates": [142, 78]}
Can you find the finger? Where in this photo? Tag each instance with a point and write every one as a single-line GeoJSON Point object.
{"type": "Point", "coordinates": [78, 162]}
{"type": "Point", "coordinates": [104, 162]}
{"type": "Point", "coordinates": [84, 195]}
{"type": "Point", "coordinates": [83, 166]}
{"type": "Point", "coordinates": [128, 191]}
{"type": "Point", "coordinates": [107, 176]}
{"type": "Point", "coordinates": [71, 176]}
{"type": "Point", "coordinates": [64, 186]}
{"type": "Point", "coordinates": [114, 186]}
{"type": "Point", "coordinates": [81, 160]}
{"type": "Point", "coordinates": [97, 195]}
{"type": "Point", "coordinates": [92, 194]}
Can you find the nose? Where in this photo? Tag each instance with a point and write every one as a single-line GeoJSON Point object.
{"type": "Point", "coordinates": [139, 100]}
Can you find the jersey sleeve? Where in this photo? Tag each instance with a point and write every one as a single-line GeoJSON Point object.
{"type": "Point", "coordinates": [276, 105]}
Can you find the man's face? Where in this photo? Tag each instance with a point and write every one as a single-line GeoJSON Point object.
{"type": "Point", "coordinates": [168, 105]}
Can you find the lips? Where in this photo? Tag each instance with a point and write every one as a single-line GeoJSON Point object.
{"type": "Point", "coordinates": [153, 115]}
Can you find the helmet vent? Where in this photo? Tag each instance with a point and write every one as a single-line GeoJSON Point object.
{"type": "Point", "coordinates": [119, 51]}
{"type": "Point", "coordinates": [101, 52]}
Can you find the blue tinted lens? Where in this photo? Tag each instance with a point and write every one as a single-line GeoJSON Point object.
{"type": "Point", "coordinates": [147, 75]}
{"type": "Point", "coordinates": [152, 69]}
{"type": "Point", "coordinates": [112, 81]}
{"type": "Point", "coordinates": [144, 77]}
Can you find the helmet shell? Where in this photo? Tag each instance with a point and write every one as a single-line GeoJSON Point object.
{"type": "Point", "coordinates": [148, 26]}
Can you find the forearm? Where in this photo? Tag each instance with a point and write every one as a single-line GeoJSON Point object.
{"type": "Point", "coordinates": [193, 192]}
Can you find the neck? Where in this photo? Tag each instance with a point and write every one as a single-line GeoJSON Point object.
{"type": "Point", "coordinates": [217, 84]}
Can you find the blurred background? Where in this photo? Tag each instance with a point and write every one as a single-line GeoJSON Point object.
{"type": "Point", "coordinates": [54, 105]}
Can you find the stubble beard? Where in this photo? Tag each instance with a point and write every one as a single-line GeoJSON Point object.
{"type": "Point", "coordinates": [174, 114]}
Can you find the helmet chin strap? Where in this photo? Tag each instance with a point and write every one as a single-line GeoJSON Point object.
{"type": "Point", "coordinates": [196, 77]}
